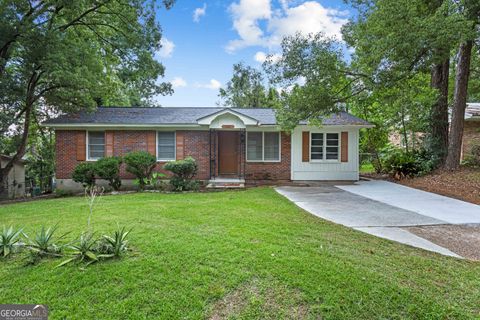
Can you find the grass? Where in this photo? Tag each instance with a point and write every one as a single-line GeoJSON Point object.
{"type": "Point", "coordinates": [241, 255]}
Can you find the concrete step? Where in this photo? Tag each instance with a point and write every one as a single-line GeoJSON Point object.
{"type": "Point", "coordinates": [226, 184]}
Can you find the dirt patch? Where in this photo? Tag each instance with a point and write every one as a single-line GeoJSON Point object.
{"type": "Point", "coordinates": [267, 299]}
{"type": "Point", "coordinates": [464, 240]}
{"type": "Point", "coordinates": [463, 184]}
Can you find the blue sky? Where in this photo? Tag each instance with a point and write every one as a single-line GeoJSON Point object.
{"type": "Point", "coordinates": [203, 39]}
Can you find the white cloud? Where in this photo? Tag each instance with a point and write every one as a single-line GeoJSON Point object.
{"type": "Point", "coordinates": [178, 82]}
{"type": "Point", "coordinates": [166, 50]}
{"type": "Point", "coordinates": [308, 17]}
{"type": "Point", "coordinates": [246, 16]}
{"type": "Point", "coordinates": [213, 85]}
{"type": "Point", "coordinates": [199, 12]}
{"type": "Point", "coordinates": [261, 56]}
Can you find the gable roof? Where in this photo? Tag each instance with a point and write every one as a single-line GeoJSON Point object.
{"type": "Point", "coordinates": [179, 116]}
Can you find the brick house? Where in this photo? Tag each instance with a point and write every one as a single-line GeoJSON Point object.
{"type": "Point", "coordinates": [231, 145]}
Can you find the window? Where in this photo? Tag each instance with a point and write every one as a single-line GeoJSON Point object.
{"type": "Point", "coordinates": [263, 146]}
{"type": "Point", "coordinates": [165, 145]}
{"type": "Point", "coordinates": [324, 146]}
{"type": "Point", "coordinates": [96, 145]}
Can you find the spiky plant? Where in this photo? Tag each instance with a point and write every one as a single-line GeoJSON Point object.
{"type": "Point", "coordinates": [44, 244]}
{"type": "Point", "coordinates": [83, 250]}
{"type": "Point", "coordinates": [9, 240]}
{"type": "Point", "coordinates": [115, 245]}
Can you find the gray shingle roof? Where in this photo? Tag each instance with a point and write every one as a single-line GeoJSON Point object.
{"type": "Point", "coordinates": [180, 116]}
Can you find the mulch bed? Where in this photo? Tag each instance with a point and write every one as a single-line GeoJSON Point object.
{"type": "Point", "coordinates": [464, 240]}
{"type": "Point", "coordinates": [463, 184]}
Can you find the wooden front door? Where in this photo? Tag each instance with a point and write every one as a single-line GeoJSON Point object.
{"type": "Point", "coordinates": [228, 153]}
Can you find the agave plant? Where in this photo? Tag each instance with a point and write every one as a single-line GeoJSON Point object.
{"type": "Point", "coordinates": [43, 244]}
{"type": "Point", "coordinates": [9, 240]}
{"type": "Point", "coordinates": [83, 250]}
{"type": "Point", "coordinates": [116, 245]}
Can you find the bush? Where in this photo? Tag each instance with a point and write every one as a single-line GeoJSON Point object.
{"type": "Point", "coordinates": [400, 164]}
{"type": "Point", "coordinates": [473, 157]}
{"type": "Point", "coordinates": [140, 164]}
{"type": "Point", "coordinates": [183, 173]}
{"type": "Point", "coordinates": [109, 169]}
{"type": "Point", "coordinates": [84, 173]}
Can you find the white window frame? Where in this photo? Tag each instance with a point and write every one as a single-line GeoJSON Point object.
{"type": "Point", "coordinates": [174, 145]}
{"type": "Point", "coordinates": [88, 143]}
{"type": "Point", "coordinates": [324, 155]}
{"type": "Point", "coordinates": [263, 147]}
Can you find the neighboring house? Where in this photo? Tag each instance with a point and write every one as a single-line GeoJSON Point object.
{"type": "Point", "coordinates": [471, 131]}
{"type": "Point", "coordinates": [16, 178]}
{"type": "Point", "coordinates": [230, 145]}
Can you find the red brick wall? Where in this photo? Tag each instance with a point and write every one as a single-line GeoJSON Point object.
{"type": "Point", "coordinates": [195, 144]}
{"type": "Point", "coordinates": [66, 153]}
{"type": "Point", "coordinates": [471, 136]}
{"type": "Point", "coordinates": [272, 170]}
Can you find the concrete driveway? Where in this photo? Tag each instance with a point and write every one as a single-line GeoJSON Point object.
{"type": "Point", "coordinates": [382, 208]}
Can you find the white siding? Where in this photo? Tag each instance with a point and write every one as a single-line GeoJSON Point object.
{"type": "Point", "coordinates": [325, 170]}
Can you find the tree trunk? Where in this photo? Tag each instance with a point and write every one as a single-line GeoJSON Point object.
{"type": "Point", "coordinates": [459, 105]}
{"type": "Point", "coordinates": [439, 113]}
{"type": "Point", "coordinates": [29, 101]}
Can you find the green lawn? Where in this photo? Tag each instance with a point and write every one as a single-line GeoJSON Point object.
{"type": "Point", "coordinates": [242, 255]}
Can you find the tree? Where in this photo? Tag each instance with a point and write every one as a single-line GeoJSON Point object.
{"type": "Point", "coordinates": [396, 39]}
{"type": "Point", "coordinates": [314, 78]}
{"type": "Point", "coordinates": [246, 89]}
{"type": "Point", "coordinates": [67, 55]}
{"type": "Point", "coordinates": [471, 10]}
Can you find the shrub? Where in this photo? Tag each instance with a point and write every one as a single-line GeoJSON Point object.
{"type": "Point", "coordinates": [44, 244]}
{"type": "Point", "coordinates": [9, 240]}
{"type": "Point", "coordinates": [401, 164]}
{"type": "Point", "coordinates": [183, 173]}
{"type": "Point", "coordinates": [140, 164]}
{"type": "Point", "coordinates": [155, 181]}
{"type": "Point", "coordinates": [83, 250]}
{"type": "Point", "coordinates": [473, 157]}
{"type": "Point", "coordinates": [115, 245]}
{"type": "Point", "coordinates": [108, 168]}
{"type": "Point", "coordinates": [84, 173]}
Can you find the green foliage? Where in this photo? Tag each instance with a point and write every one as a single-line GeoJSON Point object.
{"type": "Point", "coordinates": [83, 250]}
{"type": "Point", "coordinates": [183, 173]}
{"type": "Point", "coordinates": [140, 164]}
{"type": "Point", "coordinates": [9, 241]}
{"type": "Point", "coordinates": [60, 193]}
{"type": "Point", "coordinates": [85, 173]}
{"type": "Point", "coordinates": [156, 182]}
{"type": "Point", "coordinates": [108, 168]}
{"type": "Point", "coordinates": [66, 56]}
{"type": "Point", "coordinates": [401, 164]}
{"type": "Point", "coordinates": [313, 76]}
{"type": "Point", "coordinates": [115, 245]}
{"type": "Point", "coordinates": [247, 89]}
{"type": "Point", "coordinates": [44, 244]}
{"type": "Point", "coordinates": [472, 158]}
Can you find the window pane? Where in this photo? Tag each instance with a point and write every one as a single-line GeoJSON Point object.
{"type": "Point", "coordinates": [96, 144]}
{"type": "Point", "coordinates": [316, 150]}
{"type": "Point", "coordinates": [272, 146]}
{"type": "Point", "coordinates": [254, 146]}
{"type": "Point", "coordinates": [166, 145]}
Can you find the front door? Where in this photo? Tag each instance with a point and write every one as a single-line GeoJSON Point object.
{"type": "Point", "coordinates": [228, 153]}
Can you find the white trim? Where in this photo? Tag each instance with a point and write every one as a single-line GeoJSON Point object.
{"type": "Point", "coordinates": [208, 119]}
{"type": "Point", "coordinates": [174, 146]}
{"type": "Point", "coordinates": [87, 133]}
{"type": "Point", "coordinates": [263, 148]}
{"type": "Point", "coordinates": [324, 148]}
